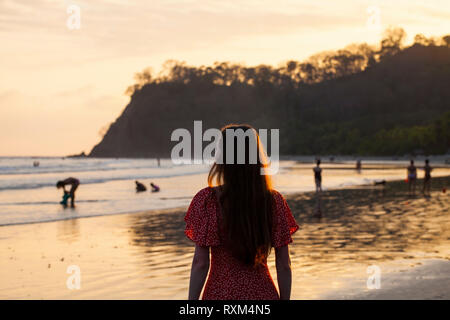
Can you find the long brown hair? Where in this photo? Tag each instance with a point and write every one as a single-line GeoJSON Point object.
{"type": "Point", "coordinates": [245, 198]}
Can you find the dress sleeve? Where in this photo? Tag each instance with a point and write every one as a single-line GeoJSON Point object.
{"type": "Point", "coordinates": [284, 224]}
{"type": "Point", "coordinates": [201, 219]}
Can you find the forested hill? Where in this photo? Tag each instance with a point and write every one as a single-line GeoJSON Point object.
{"type": "Point", "coordinates": [390, 100]}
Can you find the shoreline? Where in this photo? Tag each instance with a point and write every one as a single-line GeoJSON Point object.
{"type": "Point", "coordinates": [155, 211]}
{"type": "Point", "coordinates": [184, 208]}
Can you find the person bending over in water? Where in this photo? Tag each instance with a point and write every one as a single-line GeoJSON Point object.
{"type": "Point", "coordinates": [74, 183]}
{"type": "Point", "coordinates": [140, 187]}
{"type": "Point", "coordinates": [234, 223]}
{"type": "Point", "coordinates": [155, 188]}
{"type": "Point", "coordinates": [412, 176]}
{"type": "Point", "coordinates": [427, 177]}
{"type": "Point", "coordinates": [318, 176]}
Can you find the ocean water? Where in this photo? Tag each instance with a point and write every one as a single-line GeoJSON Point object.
{"type": "Point", "coordinates": [28, 194]}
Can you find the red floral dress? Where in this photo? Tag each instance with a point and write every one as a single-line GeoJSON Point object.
{"type": "Point", "coordinates": [229, 279]}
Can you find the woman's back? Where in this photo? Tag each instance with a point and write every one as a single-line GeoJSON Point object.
{"type": "Point", "coordinates": [230, 278]}
{"type": "Point", "coordinates": [239, 222]}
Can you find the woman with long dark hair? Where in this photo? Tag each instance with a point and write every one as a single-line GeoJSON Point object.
{"type": "Point", "coordinates": [239, 218]}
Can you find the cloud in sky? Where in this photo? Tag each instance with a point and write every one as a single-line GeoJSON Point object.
{"type": "Point", "coordinates": [40, 57]}
{"type": "Point", "coordinates": [177, 28]}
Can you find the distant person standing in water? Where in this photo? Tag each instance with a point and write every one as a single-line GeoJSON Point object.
{"type": "Point", "coordinates": [427, 177]}
{"type": "Point", "coordinates": [412, 177]}
{"type": "Point", "coordinates": [318, 176]}
{"type": "Point", "coordinates": [358, 165]}
{"type": "Point", "coordinates": [74, 183]}
{"type": "Point", "coordinates": [318, 180]}
{"type": "Point", "coordinates": [140, 187]}
{"type": "Point", "coordinates": [237, 222]}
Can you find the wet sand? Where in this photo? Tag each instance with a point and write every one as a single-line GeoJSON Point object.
{"type": "Point", "coordinates": [146, 255]}
{"type": "Point", "coordinates": [429, 280]}
{"type": "Point", "coordinates": [372, 225]}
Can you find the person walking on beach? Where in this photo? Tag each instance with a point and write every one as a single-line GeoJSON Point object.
{"type": "Point", "coordinates": [318, 180]}
{"type": "Point", "coordinates": [74, 183]}
{"type": "Point", "coordinates": [412, 177]}
{"type": "Point", "coordinates": [234, 223]}
{"type": "Point", "coordinates": [318, 176]}
{"type": "Point", "coordinates": [427, 177]}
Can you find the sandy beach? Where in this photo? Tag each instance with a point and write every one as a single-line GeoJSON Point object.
{"type": "Point", "coordinates": [373, 225]}
{"type": "Point", "coordinates": [146, 255]}
{"type": "Point", "coordinates": [427, 279]}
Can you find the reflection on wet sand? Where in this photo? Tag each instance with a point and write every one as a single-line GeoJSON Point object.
{"type": "Point", "coordinates": [68, 230]}
{"type": "Point", "coordinates": [164, 228]}
{"type": "Point", "coordinates": [372, 223]}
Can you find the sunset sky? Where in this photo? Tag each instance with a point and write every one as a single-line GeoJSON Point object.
{"type": "Point", "coordinates": [59, 87]}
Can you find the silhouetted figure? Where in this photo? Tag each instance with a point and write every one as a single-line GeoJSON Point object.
{"type": "Point", "coordinates": [36, 164]}
{"type": "Point", "coordinates": [412, 177]}
{"type": "Point", "coordinates": [140, 187]}
{"type": "Point", "coordinates": [155, 188]}
{"type": "Point", "coordinates": [358, 165]}
{"type": "Point", "coordinates": [318, 176]}
{"type": "Point", "coordinates": [74, 183]}
{"type": "Point", "coordinates": [318, 180]}
{"type": "Point", "coordinates": [427, 177]}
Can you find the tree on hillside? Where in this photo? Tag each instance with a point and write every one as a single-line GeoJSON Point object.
{"type": "Point", "coordinates": [392, 41]}
{"type": "Point", "coordinates": [446, 40]}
